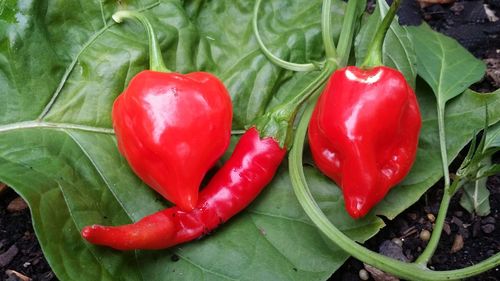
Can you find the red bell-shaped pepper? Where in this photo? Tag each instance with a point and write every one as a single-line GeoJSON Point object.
{"type": "Point", "coordinates": [364, 132]}
{"type": "Point", "coordinates": [171, 127]}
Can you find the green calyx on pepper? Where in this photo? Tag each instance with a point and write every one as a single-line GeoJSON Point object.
{"type": "Point", "coordinates": [277, 123]}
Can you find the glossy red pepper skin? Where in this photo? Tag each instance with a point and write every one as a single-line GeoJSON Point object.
{"type": "Point", "coordinates": [249, 169]}
{"type": "Point", "coordinates": [364, 133]}
{"type": "Point", "coordinates": [172, 128]}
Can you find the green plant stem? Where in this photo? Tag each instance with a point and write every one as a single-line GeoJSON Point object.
{"type": "Point", "coordinates": [274, 59]}
{"type": "Point", "coordinates": [374, 55]}
{"type": "Point", "coordinates": [298, 100]}
{"type": "Point", "coordinates": [424, 258]}
{"type": "Point", "coordinates": [278, 122]}
{"type": "Point", "coordinates": [330, 51]}
{"type": "Point", "coordinates": [409, 271]}
{"type": "Point", "coordinates": [347, 32]}
{"type": "Point", "coordinates": [155, 57]}
{"type": "Point", "coordinates": [426, 255]}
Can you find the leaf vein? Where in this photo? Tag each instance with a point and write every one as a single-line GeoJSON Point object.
{"type": "Point", "coordinates": [34, 124]}
{"type": "Point", "coordinates": [99, 171]}
{"type": "Point", "coordinates": [70, 68]}
{"type": "Point", "coordinates": [104, 179]}
{"type": "Point", "coordinates": [73, 219]}
{"type": "Point", "coordinates": [203, 269]}
{"type": "Point", "coordinates": [73, 63]}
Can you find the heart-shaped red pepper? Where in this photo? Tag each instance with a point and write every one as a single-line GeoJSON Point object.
{"type": "Point", "coordinates": [172, 128]}
{"type": "Point", "coordinates": [364, 132]}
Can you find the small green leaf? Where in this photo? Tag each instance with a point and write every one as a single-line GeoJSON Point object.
{"type": "Point", "coordinates": [444, 64]}
{"type": "Point", "coordinates": [475, 198]}
{"type": "Point", "coordinates": [493, 136]}
{"type": "Point", "coordinates": [490, 171]}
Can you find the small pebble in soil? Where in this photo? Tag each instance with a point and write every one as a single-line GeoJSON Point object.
{"type": "Point", "coordinates": [488, 224]}
{"type": "Point", "coordinates": [364, 275]}
{"type": "Point", "coordinates": [431, 217]}
{"type": "Point", "coordinates": [379, 275]}
{"type": "Point", "coordinates": [3, 187]}
{"type": "Point", "coordinates": [488, 220]}
{"type": "Point", "coordinates": [425, 235]}
{"type": "Point", "coordinates": [390, 249]}
{"type": "Point", "coordinates": [16, 276]}
{"type": "Point", "coordinates": [458, 244]}
{"type": "Point", "coordinates": [397, 241]}
{"type": "Point", "coordinates": [488, 228]}
{"type": "Point", "coordinates": [457, 8]}
{"type": "Point", "coordinates": [8, 256]}
{"type": "Point", "coordinates": [412, 216]}
{"type": "Point", "coordinates": [47, 276]}
{"type": "Point", "coordinates": [409, 232]}
{"type": "Point", "coordinates": [17, 205]}
{"type": "Point", "coordinates": [458, 222]}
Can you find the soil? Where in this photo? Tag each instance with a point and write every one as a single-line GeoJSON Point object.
{"type": "Point", "coordinates": [17, 235]}
{"type": "Point", "coordinates": [467, 239]}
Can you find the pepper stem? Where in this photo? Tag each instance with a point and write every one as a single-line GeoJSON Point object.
{"type": "Point", "coordinates": [331, 52]}
{"type": "Point", "coordinates": [155, 58]}
{"type": "Point", "coordinates": [374, 56]}
{"type": "Point", "coordinates": [353, 11]}
{"type": "Point", "coordinates": [431, 247]}
{"type": "Point", "coordinates": [274, 59]}
{"type": "Point", "coordinates": [278, 122]}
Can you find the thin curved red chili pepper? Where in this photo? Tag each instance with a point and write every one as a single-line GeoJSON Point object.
{"type": "Point", "coordinates": [249, 169]}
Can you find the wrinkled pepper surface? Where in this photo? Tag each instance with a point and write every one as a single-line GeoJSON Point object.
{"type": "Point", "coordinates": [172, 128]}
{"type": "Point", "coordinates": [364, 133]}
{"type": "Point", "coordinates": [249, 169]}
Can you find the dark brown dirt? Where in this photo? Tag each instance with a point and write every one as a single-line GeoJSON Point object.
{"type": "Point", "coordinates": [480, 235]}
{"type": "Point", "coordinates": [16, 232]}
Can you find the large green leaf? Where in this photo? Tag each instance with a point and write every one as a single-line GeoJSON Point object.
{"type": "Point", "coordinates": [62, 63]}
{"type": "Point", "coordinates": [493, 136]}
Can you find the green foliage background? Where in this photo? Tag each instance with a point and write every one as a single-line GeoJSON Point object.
{"type": "Point", "coordinates": [62, 63]}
